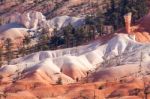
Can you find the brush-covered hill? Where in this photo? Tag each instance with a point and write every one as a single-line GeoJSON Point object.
{"type": "Point", "coordinates": [113, 66]}
{"type": "Point", "coordinates": [121, 58]}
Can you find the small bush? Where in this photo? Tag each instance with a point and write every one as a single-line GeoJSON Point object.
{"type": "Point", "coordinates": [59, 82]}
{"type": "Point", "coordinates": [101, 87]}
{"type": "Point", "coordinates": [134, 92]}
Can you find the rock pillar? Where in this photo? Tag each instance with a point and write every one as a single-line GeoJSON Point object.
{"type": "Point", "coordinates": [128, 18]}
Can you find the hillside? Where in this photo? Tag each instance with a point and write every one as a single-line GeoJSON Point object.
{"type": "Point", "coordinates": [101, 60]}
{"type": "Point", "coordinates": [50, 8]}
{"type": "Point", "coordinates": [53, 50]}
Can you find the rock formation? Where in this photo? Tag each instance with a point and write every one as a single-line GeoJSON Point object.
{"type": "Point", "coordinates": [127, 18]}
{"type": "Point", "coordinates": [31, 20]}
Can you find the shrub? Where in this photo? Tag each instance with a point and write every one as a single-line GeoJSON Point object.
{"type": "Point", "coordinates": [134, 92]}
{"type": "Point", "coordinates": [101, 87]}
{"type": "Point", "coordinates": [59, 82]}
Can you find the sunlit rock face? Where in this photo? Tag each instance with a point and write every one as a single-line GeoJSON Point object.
{"type": "Point", "coordinates": [31, 20]}
{"type": "Point", "coordinates": [36, 20]}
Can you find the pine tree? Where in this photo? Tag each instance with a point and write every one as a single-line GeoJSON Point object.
{"type": "Point", "coordinates": [1, 56]}
{"type": "Point", "coordinates": [142, 7]}
{"type": "Point", "coordinates": [22, 51]}
{"type": "Point", "coordinates": [112, 5]}
{"type": "Point", "coordinates": [1, 21]}
{"type": "Point", "coordinates": [9, 53]}
{"type": "Point", "coordinates": [26, 40]}
{"type": "Point", "coordinates": [79, 35]}
{"type": "Point", "coordinates": [59, 81]}
{"type": "Point", "coordinates": [68, 34]}
{"type": "Point", "coordinates": [100, 19]}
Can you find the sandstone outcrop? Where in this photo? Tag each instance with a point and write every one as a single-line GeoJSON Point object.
{"type": "Point", "coordinates": [31, 20]}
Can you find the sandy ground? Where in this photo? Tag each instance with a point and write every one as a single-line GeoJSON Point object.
{"type": "Point", "coordinates": [123, 89]}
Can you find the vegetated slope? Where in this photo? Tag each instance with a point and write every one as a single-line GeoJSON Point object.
{"type": "Point", "coordinates": [17, 30]}
{"type": "Point", "coordinates": [75, 62]}
{"type": "Point", "coordinates": [39, 70]}
{"type": "Point", "coordinates": [112, 61]}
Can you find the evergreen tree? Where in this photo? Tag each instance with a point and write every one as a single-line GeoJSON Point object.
{"type": "Point", "coordinates": [115, 15]}
{"type": "Point", "coordinates": [115, 20]}
{"type": "Point", "coordinates": [1, 21]}
{"type": "Point", "coordinates": [1, 56]}
{"type": "Point", "coordinates": [55, 41]}
{"type": "Point", "coordinates": [112, 5]}
{"type": "Point", "coordinates": [79, 35]}
{"type": "Point", "coordinates": [22, 51]}
{"type": "Point", "coordinates": [89, 20]}
{"type": "Point", "coordinates": [123, 7]}
{"type": "Point", "coordinates": [100, 19]}
{"type": "Point", "coordinates": [43, 38]}
{"type": "Point", "coordinates": [9, 52]}
{"type": "Point", "coordinates": [68, 34]}
{"type": "Point", "coordinates": [142, 8]}
{"type": "Point", "coordinates": [59, 81]}
{"type": "Point", "coordinates": [43, 42]}
{"type": "Point", "coordinates": [26, 40]}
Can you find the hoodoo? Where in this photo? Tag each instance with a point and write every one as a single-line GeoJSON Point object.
{"type": "Point", "coordinates": [128, 18]}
